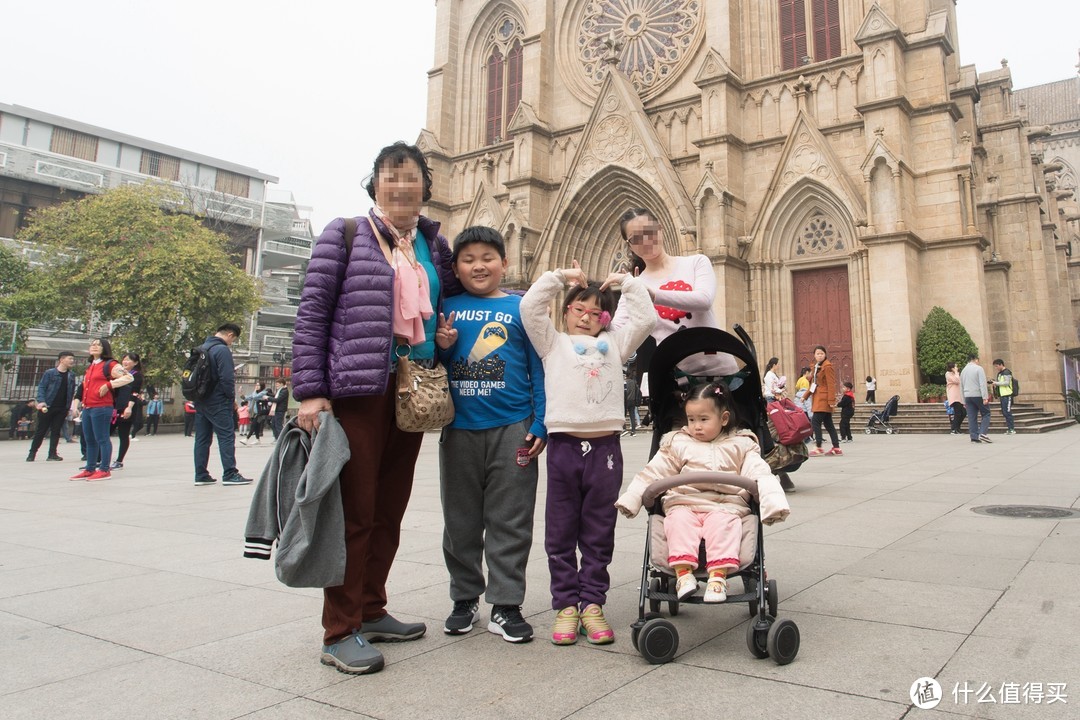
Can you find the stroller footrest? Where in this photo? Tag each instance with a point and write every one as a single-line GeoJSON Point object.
{"type": "Point", "coordinates": [697, 597]}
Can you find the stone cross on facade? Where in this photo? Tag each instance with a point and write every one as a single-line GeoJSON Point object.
{"type": "Point", "coordinates": [614, 46]}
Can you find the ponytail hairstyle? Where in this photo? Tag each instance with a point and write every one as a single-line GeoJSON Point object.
{"type": "Point", "coordinates": [772, 361]}
{"type": "Point", "coordinates": [719, 394]}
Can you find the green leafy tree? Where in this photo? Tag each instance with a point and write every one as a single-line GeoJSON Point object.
{"type": "Point", "coordinates": [941, 340]}
{"type": "Point", "coordinates": [24, 295]}
{"type": "Point", "coordinates": [164, 278]}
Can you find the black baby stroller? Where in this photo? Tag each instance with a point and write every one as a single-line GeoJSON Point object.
{"type": "Point", "coordinates": [653, 636]}
{"type": "Point", "coordinates": [879, 421]}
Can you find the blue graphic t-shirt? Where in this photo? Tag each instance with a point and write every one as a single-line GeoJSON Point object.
{"type": "Point", "coordinates": [496, 377]}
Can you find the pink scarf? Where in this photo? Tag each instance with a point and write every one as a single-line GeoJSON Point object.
{"type": "Point", "coordinates": [412, 290]}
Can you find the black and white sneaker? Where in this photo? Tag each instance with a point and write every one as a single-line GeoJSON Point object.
{"type": "Point", "coordinates": [463, 617]}
{"type": "Point", "coordinates": [985, 438]}
{"type": "Point", "coordinates": [506, 620]}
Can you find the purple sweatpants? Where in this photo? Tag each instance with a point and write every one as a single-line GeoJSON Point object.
{"type": "Point", "coordinates": [584, 478]}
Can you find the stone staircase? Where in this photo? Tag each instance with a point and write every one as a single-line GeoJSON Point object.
{"type": "Point", "coordinates": [932, 418]}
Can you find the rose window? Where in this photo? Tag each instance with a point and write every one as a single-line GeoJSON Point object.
{"type": "Point", "coordinates": [653, 39]}
{"type": "Point", "coordinates": [818, 236]}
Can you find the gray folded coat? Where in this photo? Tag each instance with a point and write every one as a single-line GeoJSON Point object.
{"type": "Point", "coordinates": [298, 503]}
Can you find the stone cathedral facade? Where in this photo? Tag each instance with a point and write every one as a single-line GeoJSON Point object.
{"type": "Point", "coordinates": [840, 168]}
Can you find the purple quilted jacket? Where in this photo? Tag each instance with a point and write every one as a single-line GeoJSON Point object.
{"type": "Point", "coordinates": [341, 345]}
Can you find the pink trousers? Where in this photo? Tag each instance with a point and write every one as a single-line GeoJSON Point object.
{"type": "Point", "coordinates": [685, 529]}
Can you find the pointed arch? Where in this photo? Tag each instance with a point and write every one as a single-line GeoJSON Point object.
{"type": "Point", "coordinates": [589, 229]}
{"type": "Point", "coordinates": [784, 232]}
{"type": "Point", "coordinates": [485, 36]}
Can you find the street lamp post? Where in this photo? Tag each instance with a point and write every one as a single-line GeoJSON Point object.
{"type": "Point", "coordinates": [282, 358]}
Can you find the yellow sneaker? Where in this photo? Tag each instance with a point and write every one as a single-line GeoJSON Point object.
{"type": "Point", "coordinates": [566, 624]}
{"type": "Point", "coordinates": [597, 630]}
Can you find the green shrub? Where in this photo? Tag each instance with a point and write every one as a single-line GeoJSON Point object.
{"type": "Point", "coordinates": [941, 340]}
{"type": "Point", "coordinates": [930, 390]}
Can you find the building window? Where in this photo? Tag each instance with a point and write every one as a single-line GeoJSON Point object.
{"type": "Point", "coordinates": [165, 167]}
{"type": "Point", "coordinates": [232, 183]}
{"type": "Point", "coordinates": [74, 144]}
{"type": "Point", "coordinates": [502, 74]}
{"type": "Point", "coordinates": [796, 46]}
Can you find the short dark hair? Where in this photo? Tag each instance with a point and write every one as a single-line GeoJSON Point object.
{"type": "Point", "coordinates": [65, 353]}
{"type": "Point", "coordinates": [282, 381]}
{"type": "Point", "coordinates": [604, 298]}
{"type": "Point", "coordinates": [481, 235]}
{"type": "Point", "coordinates": [804, 370]}
{"type": "Point", "coordinates": [848, 385]}
{"type": "Point", "coordinates": [396, 154]}
{"type": "Point", "coordinates": [822, 349]}
{"type": "Point", "coordinates": [1000, 362]}
{"type": "Point", "coordinates": [229, 327]}
{"type": "Point", "coordinates": [973, 356]}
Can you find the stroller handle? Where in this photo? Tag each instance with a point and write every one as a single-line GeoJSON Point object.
{"type": "Point", "coordinates": [659, 487]}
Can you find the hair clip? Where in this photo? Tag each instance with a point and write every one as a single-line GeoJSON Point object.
{"type": "Point", "coordinates": [605, 319]}
{"type": "Point", "coordinates": [718, 390]}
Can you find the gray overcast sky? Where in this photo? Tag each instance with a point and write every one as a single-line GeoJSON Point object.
{"type": "Point", "coordinates": [310, 91]}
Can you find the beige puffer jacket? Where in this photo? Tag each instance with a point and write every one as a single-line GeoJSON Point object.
{"type": "Point", "coordinates": [736, 453]}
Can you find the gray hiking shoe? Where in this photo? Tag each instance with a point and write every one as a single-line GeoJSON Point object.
{"type": "Point", "coordinates": [390, 629]}
{"type": "Point", "coordinates": [353, 655]}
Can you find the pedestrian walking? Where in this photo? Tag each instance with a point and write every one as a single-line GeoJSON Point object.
{"type": "Point", "coordinates": [56, 389]}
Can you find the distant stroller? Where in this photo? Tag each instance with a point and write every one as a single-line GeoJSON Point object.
{"type": "Point", "coordinates": [655, 637]}
{"type": "Point", "coordinates": [879, 421]}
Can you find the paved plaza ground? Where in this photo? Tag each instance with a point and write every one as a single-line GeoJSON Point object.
{"type": "Point", "coordinates": [129, 598]}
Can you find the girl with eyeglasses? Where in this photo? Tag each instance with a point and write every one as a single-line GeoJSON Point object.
{"type": "Point", "coordinates": [583, 381]}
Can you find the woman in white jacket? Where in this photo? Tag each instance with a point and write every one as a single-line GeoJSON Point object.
{"type": "Point", "coordinates": [708, 443]}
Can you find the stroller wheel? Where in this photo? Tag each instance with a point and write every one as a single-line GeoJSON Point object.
{"type": "Point", "coordinates": [869, 431]}
{"type": "Point", "coordinates": [654, 590]}
{"type": "Point", "coordinates": [635, 629]}
{"type": "Point", "coordinates": [673, 608]}
{"type": "Point", "coordinates": [658, 641]}
{"type": "Point", "coordinates": [782, 642]}
{"type": "Point", "coordinates": [757, 636]}
{"type": "Point", "coordinates": [772, 597]}
{"type": "Point", "coordinates": [888, 431]}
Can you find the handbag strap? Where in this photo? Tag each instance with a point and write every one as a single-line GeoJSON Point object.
{"type": "Point", "coordinates": [350, 236]}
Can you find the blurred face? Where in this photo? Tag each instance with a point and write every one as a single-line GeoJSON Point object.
{"type": "Point", "coordinates": [95, 348]}
{"type": "Point", "coordinates": [128, 363]}
{"type": "Point", "coordinates": [399, 191]}
{"type": "Point", "coordinates": [66, 363]}
{"type": "Point", "coordinates": [704, 421]}
{"type": "Point", "coordinates": [819, 356]}
{"type": "Point", "coordinates": [582, 317]}
{"type": "Point", "coordinates": [480, 269]}
{"type": "Point", "coordinates": [645, 237]}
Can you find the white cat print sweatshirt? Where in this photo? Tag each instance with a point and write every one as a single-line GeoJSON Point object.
{"type": "Point", "coordinates": [583, 376]}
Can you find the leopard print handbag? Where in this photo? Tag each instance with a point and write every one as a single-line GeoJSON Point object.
{"type": "Point", "coordinates": [423, 397]}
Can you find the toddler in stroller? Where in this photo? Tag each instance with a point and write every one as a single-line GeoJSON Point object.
{"type": "Point", "coordinates": [715, 436]}
{"type": "Point", "coordinates": [711, 512]}
{"type": "Point", "coordinates": [879, 421]}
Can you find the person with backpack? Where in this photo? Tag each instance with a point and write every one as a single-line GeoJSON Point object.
{"type": "Point", "coordinates": [103, 376]}
{"type": "Point", "coordinates": [209, 382]}
{"type": "Point", "coordinates": [1005, 387]}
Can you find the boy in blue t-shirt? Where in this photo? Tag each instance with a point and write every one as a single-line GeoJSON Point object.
{"type": "Point", "coordinates": [486, 456]}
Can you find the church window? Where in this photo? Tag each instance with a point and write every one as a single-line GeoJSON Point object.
{"type": "Point", "coordinates": [503, 71]}
{"type": "Point", "coordinates": [797, 47]}
{"type": "Point", "coordinates": [818, 236]}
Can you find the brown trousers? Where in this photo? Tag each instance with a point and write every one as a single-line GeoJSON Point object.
{"type": "Point", "coordinates": [375, 488]}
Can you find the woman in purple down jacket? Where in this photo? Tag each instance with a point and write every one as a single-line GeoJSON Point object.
{"type": "Point", "coordinates": [354, 314]}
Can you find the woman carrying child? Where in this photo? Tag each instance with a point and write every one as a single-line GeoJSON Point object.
{"type": "Point", "coordinates": [709, 442]}
{"type": "Point", "coordinates": [583, 386]}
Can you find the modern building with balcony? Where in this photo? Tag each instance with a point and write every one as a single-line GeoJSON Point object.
{"type": "Point", "coordinates": [46, 159]}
